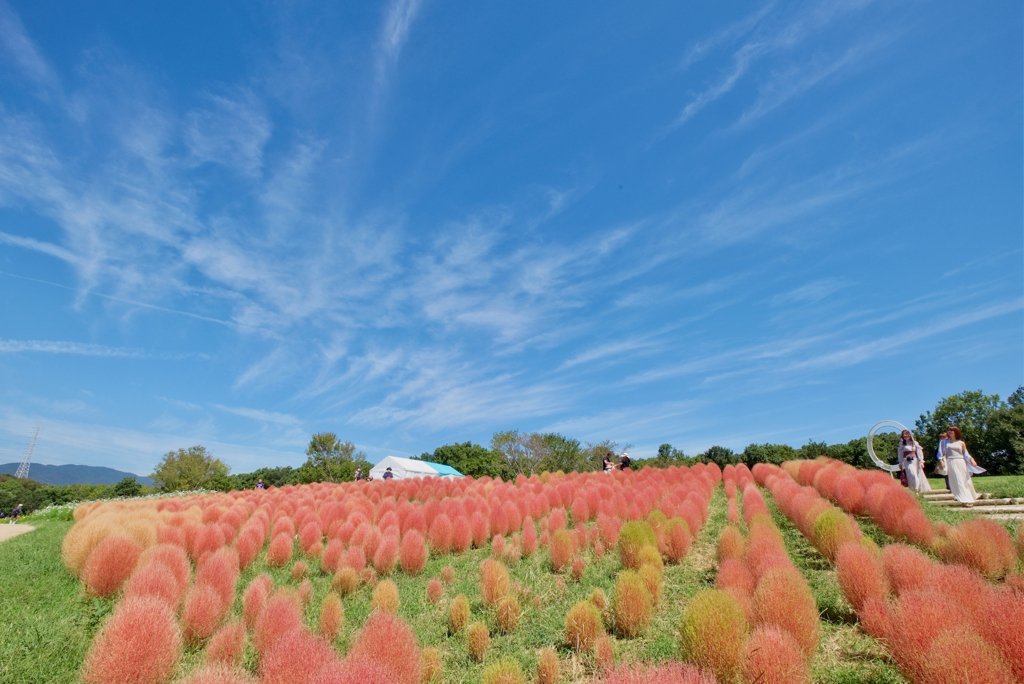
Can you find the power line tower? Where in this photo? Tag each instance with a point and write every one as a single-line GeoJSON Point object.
{"type": "Point", "coordinates": [27, 459]}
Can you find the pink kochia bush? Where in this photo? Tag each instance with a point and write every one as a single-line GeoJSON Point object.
{"type": "Point", "coordinates": [413, 553]}
{"type": "Point", "coordinates": [138, 644]}
{"type": "Point", "coordinates": [110, 564]}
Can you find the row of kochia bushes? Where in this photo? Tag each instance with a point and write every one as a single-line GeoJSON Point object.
{"type": "Point", "coordinates": [981, 544]}
{"type": "Point", "coordinates": [173, 567]}
{"type": "Point", "coordinates": [941, 622]}
{"type": "Point", "coordinates": [759, 625]}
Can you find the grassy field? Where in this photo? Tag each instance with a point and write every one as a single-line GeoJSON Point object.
{"type": "Point", "coordinates": [46, 624]}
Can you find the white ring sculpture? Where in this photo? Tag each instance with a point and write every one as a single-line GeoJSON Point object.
{"type": "Point", "coordinates": [871, 450]}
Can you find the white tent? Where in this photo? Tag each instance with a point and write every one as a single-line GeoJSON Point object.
{"type": "Point", "coordinates": [403, 468]}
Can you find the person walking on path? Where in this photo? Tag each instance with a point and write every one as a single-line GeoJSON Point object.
{"type": "Point", "coordinates": [940, 458]}
{"type": "Point", "coordinates": [956, 465]}
{"type": "Point", "coordinates": [912, 460]}
{"type": "Point", "coordinates": [16, 513]}
{"type": "Point", "coordinates": [359, 473]}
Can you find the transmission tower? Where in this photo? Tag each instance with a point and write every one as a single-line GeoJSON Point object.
{"type": "Point", "coordinates": [27, 459]}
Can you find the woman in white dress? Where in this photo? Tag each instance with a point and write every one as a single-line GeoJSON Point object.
{"type": "Point", "coordinates": [956, 464]}
{"type": "Point", "coordinates": [912, 459]}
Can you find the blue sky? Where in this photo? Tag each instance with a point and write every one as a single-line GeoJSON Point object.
{"type": "Point", "coordinates": [413, 223]}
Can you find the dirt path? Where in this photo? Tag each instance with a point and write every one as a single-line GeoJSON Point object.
{"type": "Point", "coordinates": [7, 531]}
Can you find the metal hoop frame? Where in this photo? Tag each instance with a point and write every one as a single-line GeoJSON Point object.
{"type": "Point", "coordinates": [871, 450]}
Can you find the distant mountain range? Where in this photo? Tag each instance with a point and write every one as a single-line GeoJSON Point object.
{"type": "Point", "coordinates": [73, 474]}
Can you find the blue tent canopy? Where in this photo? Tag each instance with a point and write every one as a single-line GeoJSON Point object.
{"type": "Point", "coordinates": [444, 470]}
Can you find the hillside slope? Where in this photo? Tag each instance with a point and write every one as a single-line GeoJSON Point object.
{"type": "Point", "coordinates": [73, 474]}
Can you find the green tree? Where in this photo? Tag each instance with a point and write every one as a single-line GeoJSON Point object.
{"type": "Point", "coordinates": [468, 458]}
{"type": "Point", "coordinates": [186, 469]}
{"type": "Point", "coordinates": [516, 452]}
{"type": "Point", "coordinates": [969, 411]}
{"type": "Point", "coordinates": [723, 456]}
{"type": "Point", "coordinates": [768, 453]}
{"type": "Point", "coordinates": [331, 460]}
{"type": "Point", "coordinates": [1006, 437]}
{"type": "Point", "coordinates": [127, 487]}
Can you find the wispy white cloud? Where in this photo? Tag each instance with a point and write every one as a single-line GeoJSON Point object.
{"type": "Point", "coordinates": [810, 293]}
{"type": "Point", "coordinates": [21, 50]}
{"type": "Point", "coordinates": [231, 131]}
{"type": "Point", "coordinates": [56, 347]}
{"type": "Point", "coordinates": [261, 416]}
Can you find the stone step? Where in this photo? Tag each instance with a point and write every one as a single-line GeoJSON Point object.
{"type": "Point", "coordinates": [981, 503]}
{"type": "Point", "coordinates": [997, 510]}
{"type": "Point", "coordinates": [949, 497]}
{"type": "Point", "coordinates": [936, 491]}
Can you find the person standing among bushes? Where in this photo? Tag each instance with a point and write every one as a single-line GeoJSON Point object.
{"type": "Point", "coordinates": [16, 513]}
{"type": "Point", "coordinates": [912, 460]}
{"type": "Point", "coordinates": [956, 465]}
{"type": "Point", "coordinates": [940, 458]}
{"type": "Point", "coordinates": [608, 465]}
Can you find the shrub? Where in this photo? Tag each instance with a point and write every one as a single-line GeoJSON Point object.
{"type": "Point", "coordinates": [918, 618]}
{"type": "Point", "coordinates": [385, 597]}
{"type": "Point", "coordinates": [957, 656]}
{"type": "Point", "coordinates": [355, 558]}
{"type": "Point", "coordinates": [1002, 625]}
{"type": "Point", "coordinates": [462, 534]}
{"type": "Point", "coordinates": [478, 640]}
{"type": "Point", "coordinates": [481, 529]}
{"type": "Point", "coordinates": [175, 559]}
{"type": "Point", "coordinates": [548, 667]}
{"type": "Point", "coordinates": [202, 613]}
{"type": "Point", "coordinates": [849, 494]}
{"type": "Point", "coordinates": [217, 674]}
{"type": "Point", "coordinates": [730, 544]}
{"type": "Point", "coordinates": [227, 645]}
{"type": "Point", "coordinates": [653, 580]}
{"type": "Point", "coordinates": [413, 553]}
{"type": "Point", "coordinates": [402, 656]}
{"type": "Point", "coordinates": [248, 545]}
{"type": "Point", "coordinates": [508, 612]}
{"type": "Point", "coordinates": [676, 540]}
{"type": "Point", "coordinates": [295, 657]}
{"type": "Point", "coordinates": [280, 616]}
{"type": "Point", "coordinates": [458, 614]}
{"type": "Point", "coordinates": [254, 600]}
{"type": "Point", "coordinates": [494, 581]}
{"type": "Point", "coordinates": [610, 528]}
{"type": "Point", "coordinates": [633, 604]}
{"type": "Point", "coordinates": [772, 656]}
{"type": "Point", "coordinates": [110, 564]}
{"type": "Point", "coordinates": [154, 579]}
{"type": "Point", "coordinates": [905, 567]}
{"type": "Point", "coordinates": [305, 592]}
{"type": "Point", "coordinates": [832, 529]}
{"type": "Point", "coordinates": [712, 633]}
{"type": "Point", "coordinates": [299, 570]}
{"type": "Point", "coordinates": [635, 535]}
{"type": "Point", "coordinates": [345, 581]}
{"type": "Point", "coordinates": [981, 544]}
{"type": "Point", "coordinates": [529, 537]}
{"type": "Point", "coordinates": [875, 617]}
{"type": "Point", "coordinates": [332, 616]}
{"type": "Point", "coordinates": [578, 568]}
{"type": "Point", "coordinates": [583, 626]}
{"type": "Point", "coordinates": [431, 665]}
{"type": "Point", "coordinates": [604, 653]}
{"type": "Point", "coordinates": [860, 574]}
{"type": "Point", "coordinates": [667, 673]}
{"type": "Point", "coordinates": [386, 556]}
{"type": "Point", "coordinates": [440, 535]}
{"type": "Point", "coordinates": [505, 671]}
{"type": "Point", "coordinates": [332, 555]}
{"type": "Point", "coordinates": [784, 599]}
{"type": "Point", "coordinates": [733, 573]}
{"type": "Point", "coordinates": [498, 546]}
{"type": "Point", "coordinates": [599, 599]}
{"type": "Point", "coordinates": [280, 550]}
{"type": "Point", "coordinates": [447, 575]}
{"type": "Point", "coordinates": [916, 528]}
{"type": "Point", "coordinates": [563, 548]}
{"type": "Point", "coordinates": [435, 590]}
{"type": "Point", "coordinates": [138, 644]}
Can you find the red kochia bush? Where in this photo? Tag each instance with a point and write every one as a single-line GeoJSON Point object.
{"type": "Point", "coordinates": [332, 555]}
{"type": "Point", "coordinates": [281, 615]}
{"type": "Point", "coordinates": [220, 571]}
{"type": "Point", "coordinates": [217, 674]}
{"type": "Point", "coordinates": [139, 644]}
{"type": "Point", "coordinates": [583, 626]}
{"type": "Point", "coordinates": [563, 548]}
{"type": "Point", "coordinates": [732, 572]}
{"type": "Point", "coordinates": [772, 656]}
{"type": "Point", "coordinates": [730, 543]}
{"type": "Point", "coordinates": [203, 612]}
{"type": "Point", "coordinates": [110, 564]}
{"type": "Point", "coordinates": [280, 550]}
{"type": "Point", "coordinates": [905, 567]}
{"type": "Point", "coordinates": [676, 540]}
{"type": "Point", "coordinates": [875, 618]}
{"type": "Point", "coordinates": [981, 544]}
{"type": "Point", "coordinates": [784, 599]}
{"type": "Point", "coordinates": [295, 657]}
{"type": "Point", "coordinates": [440, 535]}
{"type": "Point", "coordinates": [254, 600]}
{"type": "Point", "coordinates": [402, 656]}
{"type": "Point", "coordinates": [494, 581]}
{"type": "Point", "coordinates": [963, 657]}
{"type": "Point", "coordinates": [633, 604]}
{"type": "Point", "coordinates": [1002, 625]}
{"type": "Point", "coordinates": [386, 555]}
{"type": "Point", "coordinates": [860, 574]}
{"type": "Point", "coordinates": [462, 534]}
{"type": "Point", "coordinates": [481, 529]}
{"type": "Point", "coordinates": [413, 553]}
{"type": "Point", "coordinates": [226, 645]}
{"type": "Point", "coordinates": [332, 616]}
{"type": "Point", "coordinates": [849, 494]}
{"type": "Point", "coordinates": [918, 618]}
{"type": "Point", "coordinates": [529, 537]}
{"type": "Point", "coordinates": [670, 673]}
{"type": "Point", "coordinates": [154, 579]}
